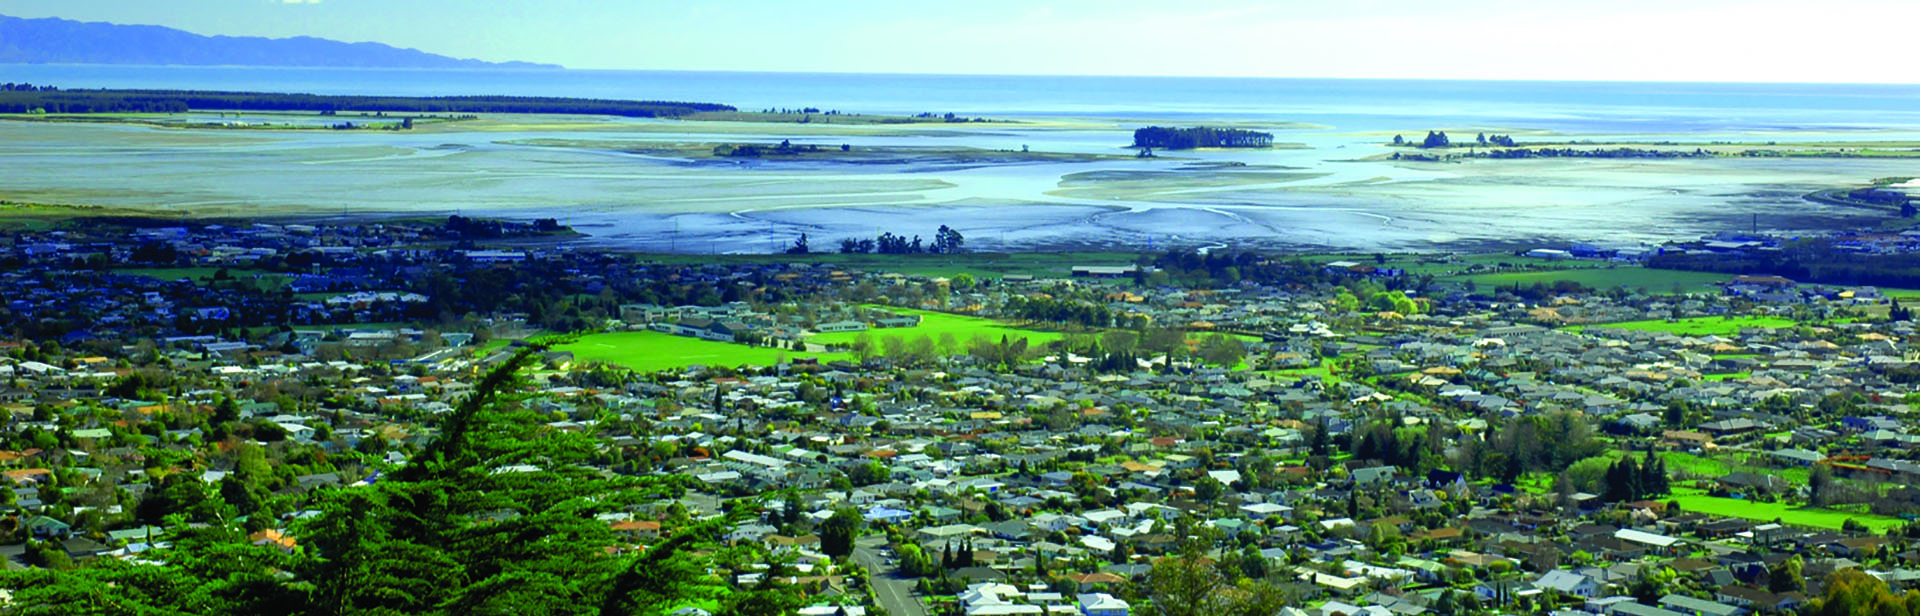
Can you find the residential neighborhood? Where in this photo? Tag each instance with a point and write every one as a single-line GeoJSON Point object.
{"type": "Point", "coordinates": [1336, 439]}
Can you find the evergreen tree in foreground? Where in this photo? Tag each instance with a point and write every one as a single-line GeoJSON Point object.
{"type": "Point", "coordinates": [495, 516]}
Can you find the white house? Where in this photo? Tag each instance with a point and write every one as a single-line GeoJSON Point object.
{"type": "Point", "coordinates": [1568, 583]}
{"type": "Point", "coordinates": [1102, 604]}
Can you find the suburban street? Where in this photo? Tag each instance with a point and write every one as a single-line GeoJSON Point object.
{"type": "Point", "coordinates": [895, 593]}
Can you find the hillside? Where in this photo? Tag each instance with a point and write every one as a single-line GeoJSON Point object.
{"type": "Point", "coordinates": [53, 40]}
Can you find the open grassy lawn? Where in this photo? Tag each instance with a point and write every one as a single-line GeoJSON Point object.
{"type": "Point", "coordinates": [1701, 326]}
{"type": "Point", "coordinates": [1683, 461]}
{"type": "Point", "coordinates": [200, 275]}
{"type": "Point", "coordinates": [1438, 265]}
{"type": "Point", "coordinates": [649, 351]}
{"type": "Point", "coordinates": [1653, 280]}
{"type": "Point", "coordinates": [1718, 465]}
{"type": "Point", "coordinates": [1694, 500]}
{"type": "Point", "coordinates": [1535, 483]}
{"type": "Point", "coordinates": [1322, 372]}
{"type": "Point", "coordinates": [933, 324]}
{"type": "Point", "coordinates": [176, 273]}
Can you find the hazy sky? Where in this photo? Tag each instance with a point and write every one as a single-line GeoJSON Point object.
{"type": "Point", "coordinates": [1694, 40]}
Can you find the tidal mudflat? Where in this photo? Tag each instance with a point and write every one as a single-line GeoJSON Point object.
{"type": "Point", "coordinates": [1038, 182]}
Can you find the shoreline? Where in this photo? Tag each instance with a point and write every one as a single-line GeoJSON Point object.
{"type": "Point", "coordinates": [579, 237]}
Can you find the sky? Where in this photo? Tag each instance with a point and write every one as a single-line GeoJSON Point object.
{"type": "Point", "coordinates": [1861, 41]}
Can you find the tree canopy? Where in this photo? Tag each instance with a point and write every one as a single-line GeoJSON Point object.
{"type": "Point", "coordinates": [497, 515]}
{"type": "Point", "coordinates": [1173, 138]}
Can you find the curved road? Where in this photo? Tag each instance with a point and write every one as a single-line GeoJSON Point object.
{"type": "Point", "coordinates": [894, 591]}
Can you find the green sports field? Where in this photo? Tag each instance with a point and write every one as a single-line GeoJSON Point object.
{"type": "Point", "coordinates": [650, 351]}
{"type": "Point", "coordinates": [1653, 280]}
{"type": "Point", "coordinates": [1700, 326]}
{"type": "Point", "coordinates": [933, 324]}
{"type": "Point", "coordinates": [1694, 500]}
{"type": "Point", "coordinates": [202, 275]}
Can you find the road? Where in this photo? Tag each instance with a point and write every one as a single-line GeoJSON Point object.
{"type": "Point", "coordinates": [894, 592]}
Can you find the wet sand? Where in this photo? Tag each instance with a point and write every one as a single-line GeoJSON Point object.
{"type": "Point", "coordinates": [1079, 187]}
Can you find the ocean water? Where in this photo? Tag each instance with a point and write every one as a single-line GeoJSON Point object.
{"type": "Point", "coordinates": [1598, 107]}
{"type": "Point", "coordinates": [1327, 190]}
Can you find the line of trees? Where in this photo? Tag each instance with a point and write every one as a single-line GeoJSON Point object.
{"type": "Point", "coordinates": [945, 241]}
{"type": "Point", "coordinates": [1060, 311]}
{"type": "Point", "coordinates": [1810, 260]}
{"type": "Point", "coordinates": [1630, 480]}
{"type": "Point", "coordinates": [1439, 139]}
{"type": "Point", "coordinates": [54, 100]}
{"type": "Point", "coordinates": [1499, 140]}
{"type": "Point", "coordinates": [1173, 138]}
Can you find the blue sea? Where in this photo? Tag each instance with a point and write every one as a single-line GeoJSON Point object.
{"type": "Point", "coordinates": [1566, 106]}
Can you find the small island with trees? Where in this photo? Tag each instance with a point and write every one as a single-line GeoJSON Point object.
{"type": "Point", "coordinates": [1440, 148]}
{"type": "Point", "coordinates": [1173, 138]}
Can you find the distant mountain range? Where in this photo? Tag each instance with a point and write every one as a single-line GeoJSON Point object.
{"type": "Point", "coordinates": [54, 40]}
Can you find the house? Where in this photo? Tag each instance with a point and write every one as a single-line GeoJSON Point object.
{"type": "Point", "coordinates": [1639, 422]}
{"type": "Point", "coordinates": [1341, 608]}
{"type": "Point", "coordinates": [1757, 599]}
{"type": "Point", "coordinates": [1657, 543]}
{"type": "Point", "coordinates": [637, 529]}
{"type": "Point", "coordinates": [1629, 608]}
{"type": "Point", "coordinates": [43, 527]}
{"type": "Point", "coordinates": [888, 515]}
{"type": "Point", "coordinates": [1102, 604]}
{"type": "Point", "coordinates": [1728, 427]}
{"type": "Point", "coordinates": [1088, 580]}
{"type": "Point", "coordinates": [274, 538]}
{"type": "Point", "coordinates": [1103, 271]}
{"type": "Point", "coordinates": [1338, 585]}
{"type": "Point", "coordinates": [1699, 607]}
{"type": "Point", "coordinates": [1686, 438]}
{"type": "Point", "coordinates": [1796, 456]}
{"type": "Point", "coordinates": [1263, 511]}
{"type": "Point", "coordinates": [1568, 583]}
{"type": "Point", "coordinates": [1371, 476]}
{"type": "Point", "coordinates": [642, 313]}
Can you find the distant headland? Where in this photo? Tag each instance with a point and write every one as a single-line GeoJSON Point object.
{"type": "Point", "coordinates": [62, 41]}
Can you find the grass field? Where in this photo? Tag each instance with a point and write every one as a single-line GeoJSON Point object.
{"type": "Point", "coordinates": [1322, 372]}
{"type": "Point", "coordinates": [201, 275]}
{"type": "Point", "coordinates": [1694, 500]}
{"type": "Point", "coordinates": [1700, 326]}
{"type": "Point", "coordinates": [1653, 280]}
{"type": "Point", "coordinates": [1717, 466]}
{"type": "Point", "coordinates": [933, 324]}
{"type": "Point", "coordinates": [1440, 265]}
{"type": "Point", "coordinates": [650, 351]}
